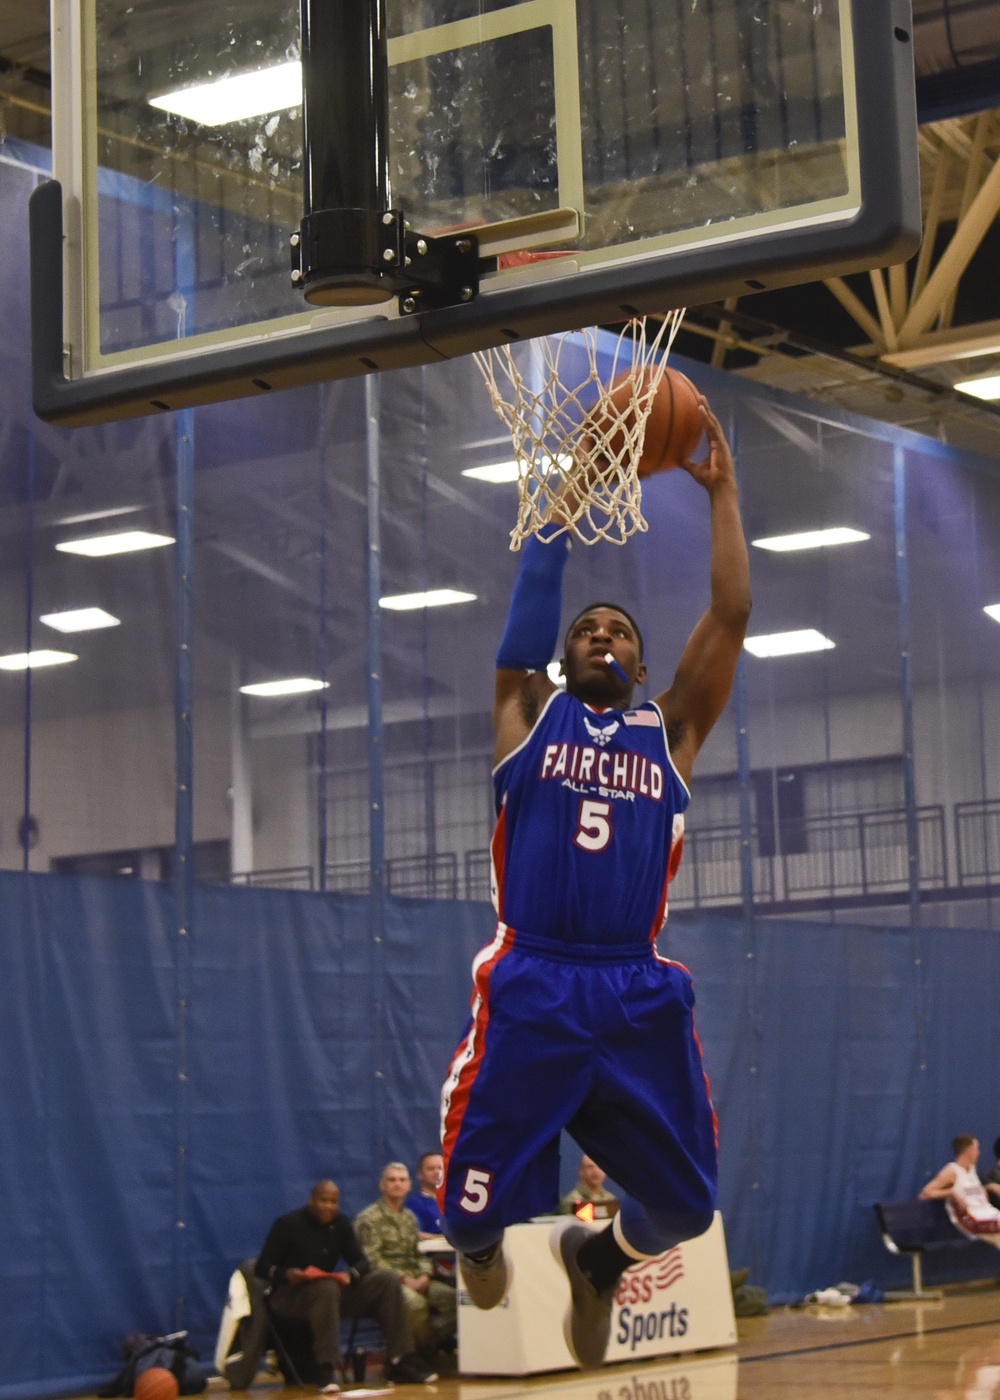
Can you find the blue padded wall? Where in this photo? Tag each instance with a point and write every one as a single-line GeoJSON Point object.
{"type": "Point", "coordinates": [293, 1073]}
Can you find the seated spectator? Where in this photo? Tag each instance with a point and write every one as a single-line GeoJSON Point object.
{"type": "Point", "coordinates": [318, 1271]}
{"type": "Point", "coordinates": [964, 1195]}
{"type": "Point", "coordinates": [589, 1187]}
{"type": "Point", "coordinates": [390, 1235]}
{"type": "Point", "coordinates": [423, 1202]}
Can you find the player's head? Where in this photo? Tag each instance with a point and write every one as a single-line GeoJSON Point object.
{"type": "Point", "coordinates": [600, 629]}
{"type": "Point", "coordinates": [610, 607]}
{"type": "Point", "coordinates": [962, 1144]}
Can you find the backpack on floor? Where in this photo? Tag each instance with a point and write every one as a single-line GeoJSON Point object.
{"type": "Point", "coordinates": [141, 1351]}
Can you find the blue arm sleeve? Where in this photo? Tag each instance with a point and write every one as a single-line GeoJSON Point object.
{"type": "Point", "coordinates": [532, 632]}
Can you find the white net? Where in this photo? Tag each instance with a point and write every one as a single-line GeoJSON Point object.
{"type": "Point", "coordinates": [577, 432]}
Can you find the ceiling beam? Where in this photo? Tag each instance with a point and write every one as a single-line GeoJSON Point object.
{"type": "Point", "coordinates": [955, 343]}
{"type": "Point", "coordinates": [956, 258]}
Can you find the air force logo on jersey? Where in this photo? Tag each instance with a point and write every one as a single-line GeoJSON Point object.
{"type": "Point", "coordinates": [601, 736]}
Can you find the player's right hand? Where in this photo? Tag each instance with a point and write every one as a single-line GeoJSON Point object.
{"type": "Point", "coordinates": [717, 468]}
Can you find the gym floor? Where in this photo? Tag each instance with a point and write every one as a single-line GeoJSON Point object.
{"type": "Point", "coordinates": [949, 1350]}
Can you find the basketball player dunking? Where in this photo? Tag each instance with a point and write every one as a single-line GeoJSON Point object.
{"type": "Point", "coordinates": [577, 1022]}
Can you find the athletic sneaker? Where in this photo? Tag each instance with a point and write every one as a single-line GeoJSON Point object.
{"type": "Point", "coordinates": [325, 1384]}
{"type": "Point", "coordinates": [587, 1324]}
{"type": "Point", "coordinates": [410, 1370]}
{"type": "Point", "coordinates": [331, 1388]}
{"type": "Point", "coordinates": [487, 1281]}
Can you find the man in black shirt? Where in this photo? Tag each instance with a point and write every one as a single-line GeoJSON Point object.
{"type": "Point", "coordinates": [303, 1259]}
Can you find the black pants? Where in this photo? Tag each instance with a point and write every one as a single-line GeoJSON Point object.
{"type": "Point", "coordinates": [322, 1302]}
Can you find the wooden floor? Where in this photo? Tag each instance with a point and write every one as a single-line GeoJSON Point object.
{"type": "Point", "coordinates": [939, 1351]}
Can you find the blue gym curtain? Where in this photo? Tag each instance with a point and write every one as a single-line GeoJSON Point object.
{"type": "Point", "coordinates": [811, 1046]}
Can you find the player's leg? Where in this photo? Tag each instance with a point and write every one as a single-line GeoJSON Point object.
{"type": "Point", "coordinates": [419, 1314]}
{"type": "Point", "coordinates": [443, 1304]}
{"type": "Point", "coordinates": [519, 1074]}
{"type": "Point", "coordinates": [380, 1294]}
{"type": "Point", "coordinates": [648, 1121]}
{"type": "Point", "coordinates": [318, 1303]}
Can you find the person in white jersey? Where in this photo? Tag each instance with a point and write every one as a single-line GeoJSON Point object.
{"type": "Point", "coordinates": [964, 1195]}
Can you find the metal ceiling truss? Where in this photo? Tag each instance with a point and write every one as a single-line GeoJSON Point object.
{"type": "Point", "coordinates": [914, 325]}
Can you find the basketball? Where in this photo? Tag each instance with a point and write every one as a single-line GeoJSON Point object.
{"type": "Point", "coordinates": [156, 1384]}
{"type": "Point", "coordinates": [674, 426]}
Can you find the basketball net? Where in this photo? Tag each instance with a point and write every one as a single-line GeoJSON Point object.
{"type": "Point", "coordinates": [570, 436]}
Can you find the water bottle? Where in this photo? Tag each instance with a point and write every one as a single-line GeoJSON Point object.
{"type": "Point", "coordinates": [359, 1362]}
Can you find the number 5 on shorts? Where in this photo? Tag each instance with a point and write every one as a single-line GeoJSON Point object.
{"type": "Point", "coordinates": [593, 828]}
{"type": "Point", "coordinates": [475, 1196]}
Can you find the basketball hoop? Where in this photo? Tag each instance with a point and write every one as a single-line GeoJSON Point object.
{"type": "Point", "coordinates": [570, 435]}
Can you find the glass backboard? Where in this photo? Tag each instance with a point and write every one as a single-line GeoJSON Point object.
{"type": "Point", "coordinates": [670, 151]}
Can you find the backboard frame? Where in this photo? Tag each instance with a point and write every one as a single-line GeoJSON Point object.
{"type": "Point", "coordinates": [884, 229]}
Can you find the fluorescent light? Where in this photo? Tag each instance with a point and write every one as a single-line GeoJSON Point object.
{"type": "Point", "coordinates": [237, 97]}
{"type": "Point", "coordinates": [988, 388]}
{"type": "Point", "coordinates": [436, 598]}
{"type": "Point", "coordinates": [80, 620]}
{"type": "Point", "coordinates": [499, 473]}
{"type": "Point", "coordinates": [993, 611]}
{"type": "Point", "coordinates": [122, 542]}
{"type": "Point", "coordinates": [788, 643]}
{"type": "Point", "coordinates": [296, 685]}
{"type": "Point", "coordinates": [89, 515]}
{"type": "Point", "coordinates": [812, 539]}
{"type": "Point", "coordinates": [25, 660]}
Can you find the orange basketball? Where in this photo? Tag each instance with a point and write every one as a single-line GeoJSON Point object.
{"type": "Point", "coordinates": [674, 426]}
{"type": "Point", "coordinates": [156, 1384]}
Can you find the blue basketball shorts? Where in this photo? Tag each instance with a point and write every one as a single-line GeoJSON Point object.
{"type": "Point", "coordinates": [598, 1041]}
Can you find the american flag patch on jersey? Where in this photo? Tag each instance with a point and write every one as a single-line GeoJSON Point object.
{"type": "Point", "coordinates": [647, 718]}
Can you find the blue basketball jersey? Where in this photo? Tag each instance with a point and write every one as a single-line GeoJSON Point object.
{"type": "Point", "coordinates": [589, 826]}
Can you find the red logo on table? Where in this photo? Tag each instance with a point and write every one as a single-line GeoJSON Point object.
{"type": "Point", "coordinates": [653, 1275]}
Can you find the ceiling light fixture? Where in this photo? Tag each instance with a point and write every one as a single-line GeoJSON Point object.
{"type": "Point", "coordinates": [89, 515]}
{"type": "Point", "coordinates": [788, 643]}
{"type": "Point", "coordinates": [435, 598]}
{"type": "Point", "coordinates": [80, 620]}
{"type": "Point", "coordinates": [993, 610]}
{"type": "Point", "coordinates": [987, 388]}
{"type": "Point", "coordinates": [31, 660]}
{"type": "Point", "coordinates": [811, 539]}
{"type": "Point", "coordinates": [237, 97]}
{"type": "Point", "coordinates": [295, 685]}
{"type": "Point", "coordinates": [122, 542]}
{"type": "Point", "coordinates": [499, 473]}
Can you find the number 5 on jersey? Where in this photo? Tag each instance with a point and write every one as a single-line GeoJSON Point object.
{"type": "Point", "coordinates": [475, 1196]}
{"type": "Point", "coordinates": [593, 828]}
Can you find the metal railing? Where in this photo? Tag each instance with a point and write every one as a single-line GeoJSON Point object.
{"type": "Point", "coordinates": [977, 841]}
{"type": "Point", "coordinates": [710, 871]}
{"type": "Point", "coordinates": [862, 853]}
{"type": "Point", "coordinates": [420, 877]}
{"type": "Point", "coordinates": [293, 877]}
{"type": "Point", "coordinates": [424, 877]}
{"type": "Point", "coordinates": [851, 855]}
{"type": "Point", "coordinates": [478, 875]}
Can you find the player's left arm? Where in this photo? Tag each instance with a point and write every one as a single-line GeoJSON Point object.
{"type": "Point", "coordinates": [704, 679]}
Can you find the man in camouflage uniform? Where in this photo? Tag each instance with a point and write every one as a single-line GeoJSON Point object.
{"type": "Point", "coordinates": [390, 1234]}
{"type": "Point", "coordinates": [589, 1187]}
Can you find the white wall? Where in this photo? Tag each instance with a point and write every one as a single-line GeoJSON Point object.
{"type": "Point", "coordinates": [105, 782]}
